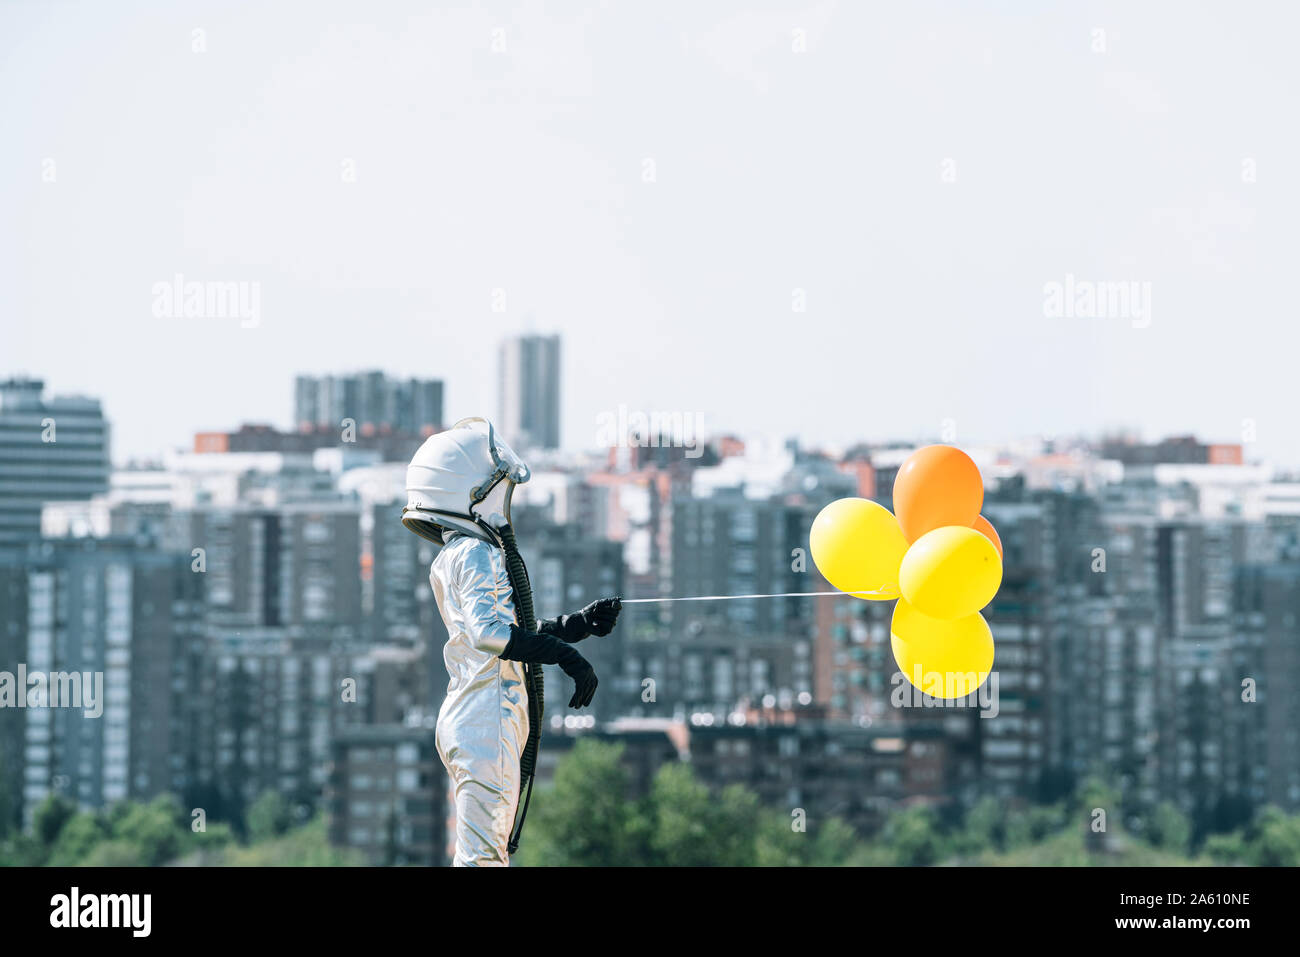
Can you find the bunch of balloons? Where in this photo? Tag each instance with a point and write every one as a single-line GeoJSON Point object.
{"type": "Point", "coordinates": [939, 557]}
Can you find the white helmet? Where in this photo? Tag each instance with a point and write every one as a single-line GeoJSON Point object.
{"type": "Point", "coordinates": [460, 479]}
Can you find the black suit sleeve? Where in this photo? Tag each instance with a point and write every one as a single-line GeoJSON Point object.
{"type": "Point", "coordinates": [550, 650]}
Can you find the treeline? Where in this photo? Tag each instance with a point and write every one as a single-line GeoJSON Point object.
{"type": "Point", "coordinates": [132, 834]}
{"type": "Point", "coordinates": [586, 818]}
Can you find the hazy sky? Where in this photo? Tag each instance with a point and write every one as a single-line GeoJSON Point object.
{"type": "Point", "coordinates": [920, 171]}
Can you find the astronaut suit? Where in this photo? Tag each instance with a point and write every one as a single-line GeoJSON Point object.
{"type": "Point", "coordinates": [459, 486]}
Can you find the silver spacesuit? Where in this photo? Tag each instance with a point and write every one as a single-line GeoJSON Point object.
{"type": "Point", "coordinates": [459, 486]}
{"type": "Point", "coordinates": [484, 719]}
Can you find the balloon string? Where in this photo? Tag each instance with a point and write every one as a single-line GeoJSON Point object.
{"type": "Point", "coordinates": [788, 594]}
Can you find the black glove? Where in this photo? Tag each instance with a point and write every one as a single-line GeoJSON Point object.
{"type": "Point", "coordinates": [601, 615]}
{"type": "Point", "coordinates": [551, 650]}
{"type": "Point", "coordinates": [598, 618]}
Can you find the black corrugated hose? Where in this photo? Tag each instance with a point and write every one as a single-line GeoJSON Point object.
{"type": "Point", "coordinates": [533, 680]}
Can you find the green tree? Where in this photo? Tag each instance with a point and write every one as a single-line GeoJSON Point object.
{"type": "Point", "coordinates": [1227, 848]}
{"type": "Point", "coordinates": [693, 829]}
{"type": "Point", "coordinates": [306, 846]}
{"type": "Point", "coordinates": [826, 843]}
{"type": "Point", "coordinates": [777, 843]}
{"type": "Point", "coordinates": [210, 844]}
{"type": "Point", "coordinates": [49, 818]}
{"type": "Point", "coordinates": [22, 850]}
{"type": "Point", "coordinates": [269, 816]}
{"type": "Point", "coordinates": [1033, 824]}
{"type": "Point", "coordinates": [833, 845]}
{"type": "Point", "coordinates": [78, 838]}
{"type": "Point", "coordinates": [116, 853]}
{"type": "Point", "coordinates": [914, 837]}
{"type": "Point", "coordinates": [586, 818]}
{"type": "Point", "coordinates": [1276, 839]}
{"type": "Point", "coordinates": [155, 830]}
{"type": "Point", "coordinates": [985, 827]}
{"type": "Point", "coordinates": [1098, 792]}
{"type": "Point", "coordinates": [1169, 828]}
{"type": "Point", "coordinates": [735, 812]}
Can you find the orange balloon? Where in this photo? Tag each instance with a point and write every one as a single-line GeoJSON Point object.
{"type": "Point", "coordinates": [938, 485]}
{"type": "Point", "coordinates": [985, 528]}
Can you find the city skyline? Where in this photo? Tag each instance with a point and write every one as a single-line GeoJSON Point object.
{"type": "Point", "coordinates": [297, 577]}
{"type": "Point", "coordinates": [602, 427]}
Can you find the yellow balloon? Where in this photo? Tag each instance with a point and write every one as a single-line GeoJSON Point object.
{"type": "Point", "coordinates": [950, 572]}
{"type": "Point", "coordinates": [944, 659]}
{"type": "Point", "coordinates": [858, 546]}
